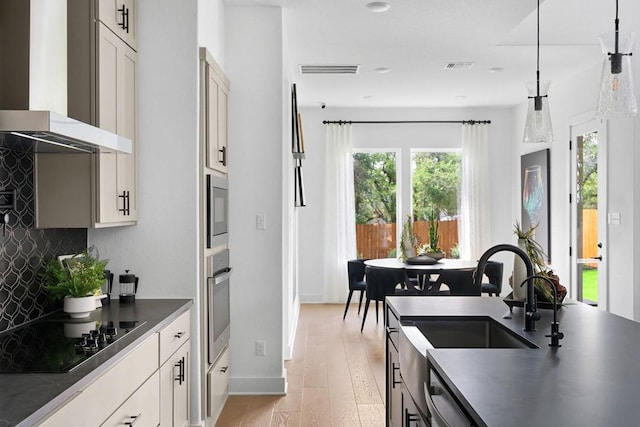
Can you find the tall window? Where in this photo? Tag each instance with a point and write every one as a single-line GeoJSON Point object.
{"type": "Point", "coordinates": [435, 187]}
{"type": "Point", "coordinates": [375, 203]}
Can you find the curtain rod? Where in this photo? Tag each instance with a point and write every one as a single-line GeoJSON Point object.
{"type": "Point", "coordinates": [349, 122]}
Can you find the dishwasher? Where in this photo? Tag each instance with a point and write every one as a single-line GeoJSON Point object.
{"type": "Point", "coordinates": [436, 406]}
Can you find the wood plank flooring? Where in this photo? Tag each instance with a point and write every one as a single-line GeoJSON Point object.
{"type": "Point", "coordinates": [336, 376]}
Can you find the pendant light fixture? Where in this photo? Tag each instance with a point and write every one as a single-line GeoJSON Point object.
{"type": "Point", "coordinates": [537, 128]}
{"type": "Point", "coordinates": [616, 97]}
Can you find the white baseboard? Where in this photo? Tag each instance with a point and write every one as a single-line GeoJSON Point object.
{"type": "Point", "coordinates": [311, 298]}
{"type": "Point", "coordinates": [270, 386]}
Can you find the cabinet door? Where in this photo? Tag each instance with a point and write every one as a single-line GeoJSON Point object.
{"type": "Point", "coordinates": [217, 93]}
{"type": "Point", "coordinates": [116, 184]}
{"type": "Point", "coordinates": [394, 388]}
{"type": "Point", "coordinates": [174, 389]}
{"type": "Point", "coordinates": [120, 17]}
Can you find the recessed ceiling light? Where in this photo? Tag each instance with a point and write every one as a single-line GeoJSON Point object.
{"type": "Point", "coordinates": [367, 97]}
{"type": "Point", "coordinates": [461, 97]}
{"type": "Point", "coordinates": [378, 6]}
{"type": "Point", "coordinates": [382, 70]}
{"type": "Point", "coordinates": [496, 69]}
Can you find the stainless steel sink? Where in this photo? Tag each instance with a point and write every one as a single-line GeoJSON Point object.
{"type": "Point", "coordinates": [469, 332]}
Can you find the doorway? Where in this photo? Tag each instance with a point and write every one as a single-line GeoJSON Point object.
{"type": "Point", "coordinates": [588, 197]}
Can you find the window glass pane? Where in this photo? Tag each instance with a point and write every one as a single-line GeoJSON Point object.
{"type": "Point", "coordinates": [435, 193]}
{"type": "Point", "coordinates": [375, 203]}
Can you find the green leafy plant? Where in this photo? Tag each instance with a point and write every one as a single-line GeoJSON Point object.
{"type": "Point", "coordinates": [455, 251]}
{"type": "Point", "coordinates": [79, 276]}
{"type": "Point", "coordinates": [537, 255]}
{"type": "Point", "coordinates": [434, 231]}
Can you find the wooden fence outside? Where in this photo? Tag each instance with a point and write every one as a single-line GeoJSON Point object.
{"type": "Point", "coordinates": [379, 240]}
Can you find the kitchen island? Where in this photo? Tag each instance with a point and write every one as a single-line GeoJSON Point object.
{"type": "Point", "coordinates": [28, 398]}
{"type": "Point", "coordinates": [593, 379]}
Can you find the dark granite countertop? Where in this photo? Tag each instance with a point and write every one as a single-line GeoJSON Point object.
{"type": "Point", "coordinates": [592, 380]}
{"type": "Point", "coordinates": [26, 398]}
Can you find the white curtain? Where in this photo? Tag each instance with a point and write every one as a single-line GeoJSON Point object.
{"type": "Point", "coordinates": [339, 212]}
{"type": "Point", "coordinates": [475, 204]}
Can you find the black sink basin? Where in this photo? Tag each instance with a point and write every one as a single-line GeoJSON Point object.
{"type": "Point", "coordinates": [469, 332]}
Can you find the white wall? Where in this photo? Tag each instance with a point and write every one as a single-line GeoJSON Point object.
{"type": "Point", "coordinates": [254, 65]}
{"type": "Point", "coordinates": [570, 101]}
{"type": "Point", "coordinates": [404, 137]}
{"type": "Point", "coordinates": [211, 28]}
{"type": "Point", "coordinates": [163, 248]}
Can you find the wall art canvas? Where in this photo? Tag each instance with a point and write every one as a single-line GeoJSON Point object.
{"type": "Point", "coordinates": [535, 196]}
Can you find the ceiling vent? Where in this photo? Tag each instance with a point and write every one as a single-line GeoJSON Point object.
{"type": "Point", "coordinates": [459, 65]}
{"type": "Point", "coordinates": [329, 69]}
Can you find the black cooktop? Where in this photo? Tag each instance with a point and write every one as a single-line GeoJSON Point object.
{"type": "Point", "coordinates": [58, 345]}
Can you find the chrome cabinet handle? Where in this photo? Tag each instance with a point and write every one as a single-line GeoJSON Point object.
{"type": "Point", "coordinates": [135, 419]}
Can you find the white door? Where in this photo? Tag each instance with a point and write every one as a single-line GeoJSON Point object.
{"type": "Point", "coordinates": [589, 213]}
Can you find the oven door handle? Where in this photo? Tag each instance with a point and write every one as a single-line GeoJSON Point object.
{"type": "Point", "coordinates": [221, 277]}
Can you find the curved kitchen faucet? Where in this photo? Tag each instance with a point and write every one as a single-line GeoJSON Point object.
{"type": "Point", "coordinates": [530, 310]}
{"type": "Point", "coordinates": [555, 335]}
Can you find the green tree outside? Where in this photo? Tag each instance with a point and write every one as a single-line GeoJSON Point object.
{"type": "Point", "coordinates": [375, 187]}
{"type": "Point", "coordinates": [436, 184]}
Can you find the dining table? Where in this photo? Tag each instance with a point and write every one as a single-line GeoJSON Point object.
{"type": "Point", "coordinates": [423, 271]}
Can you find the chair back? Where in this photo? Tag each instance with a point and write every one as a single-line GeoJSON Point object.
{"type": "Point", "coordinates": [459, 282]}
{"type": "Point", "coordinates": [382, 282]}
{"type": "Point", "coordinates": [493, 270]}
{"type": "Point", "coordinates": [356, 270]}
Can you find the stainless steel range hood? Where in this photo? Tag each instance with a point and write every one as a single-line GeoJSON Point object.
{"type": "Point", "coordinates": [50, 132]}
{"type": "Point", "coordinates": [33, 84]}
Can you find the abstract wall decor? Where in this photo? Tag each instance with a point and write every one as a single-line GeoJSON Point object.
{"type": "Point", "coordinates": [535, 193]}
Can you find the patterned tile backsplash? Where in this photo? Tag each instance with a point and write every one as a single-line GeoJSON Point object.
{"type": "Point", "coordinates": [24, 249]}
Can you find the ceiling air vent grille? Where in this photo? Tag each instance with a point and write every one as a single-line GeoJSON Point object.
{"type": "Point", "coordinates": [459, 65]}
{"type": "Point", "coordinates": [329, 69]}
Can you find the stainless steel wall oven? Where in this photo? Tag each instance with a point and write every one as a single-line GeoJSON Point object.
{"type": "Point", "coordinates": [218, 313]}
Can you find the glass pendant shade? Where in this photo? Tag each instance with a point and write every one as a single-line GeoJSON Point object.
{"type": "Point", "coordinates": [537, 128]}
{"type": "Point", "coordinates": [616, 97]}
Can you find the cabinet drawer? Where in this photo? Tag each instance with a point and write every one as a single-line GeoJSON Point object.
{"type": "Point", "coordinates": [142, 408]}
{"type": "Point", "coordinates": [218, 385]}
{"type": "Point", "coordinates": [174, 335]}
{"type": "Point", "coordinates": [392, 328]}
{"type": "Point", "coordinates": [99, 399]}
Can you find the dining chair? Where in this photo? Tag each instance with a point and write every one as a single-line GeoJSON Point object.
{"type": "Point", "coordinates": [356, 271]}
{"type": "Point", "coordinates": [459, 282]}
{"type": "Point", "coordinates": [493, 270]}
{"type": "Point", "coordinates": [381, 282]}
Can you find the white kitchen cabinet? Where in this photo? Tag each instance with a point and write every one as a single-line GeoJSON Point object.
{"type": "Point", "coordinates": [174, 388]}
{"type": "Point", "coordinates": [102, 91]}
{"type": "Point", "coordinates": [214, 95]}
{"type": "Point", "coordinates": [218, 386]}
{"type": "Point", "coordinates": [101, 399]}
{"type": "Point", "coordinates": [120, 17]}
{"type": "Point", "coordinates": [174, 371]}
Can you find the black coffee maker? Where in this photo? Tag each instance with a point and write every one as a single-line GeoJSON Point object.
{"type": "Point", "coordinates": [128, 287]}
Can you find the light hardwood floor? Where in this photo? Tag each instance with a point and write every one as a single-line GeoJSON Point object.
{"type": "Point", "coordinates": [336, 376]}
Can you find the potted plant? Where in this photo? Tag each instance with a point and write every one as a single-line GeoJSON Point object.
{"type": "Point", "coordinates": [432, 249]}
{"type": "Point", "coordinates": [408, 240]}
{"type": "Point", "coordinates": [527, 243]}
{"type": "Point", "coordinates": [76, 280]}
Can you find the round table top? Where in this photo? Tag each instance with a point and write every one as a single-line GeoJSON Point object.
{"type": "Point", "coordinates": [443, 264]}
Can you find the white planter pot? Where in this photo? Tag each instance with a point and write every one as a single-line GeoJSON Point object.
{"type": "Point", "coordinates": [519, 274]}
{"type": "Point", "coordinates": [78, 308]}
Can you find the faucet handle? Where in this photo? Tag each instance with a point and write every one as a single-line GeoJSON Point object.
{"type": "Point", "coordinates": [555, 335]}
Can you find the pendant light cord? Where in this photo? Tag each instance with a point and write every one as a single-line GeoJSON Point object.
{"type": "Point", "coordinates": [538, 54]}
{"type": "Point", "coordinates": [617, 22]}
